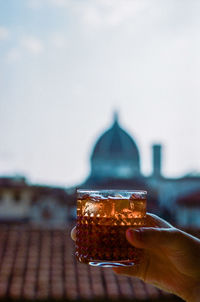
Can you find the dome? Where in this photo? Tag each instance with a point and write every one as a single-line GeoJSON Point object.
{"type": "Point", "coordinates": [115, 154]}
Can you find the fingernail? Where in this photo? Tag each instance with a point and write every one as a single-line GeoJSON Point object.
{"type": "Point", "coordinates": [134, 234]}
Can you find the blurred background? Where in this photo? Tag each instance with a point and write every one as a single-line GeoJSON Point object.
{"type": "Point", "coordinates": [93, 94]}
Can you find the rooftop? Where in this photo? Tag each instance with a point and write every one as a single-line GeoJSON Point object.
{"type": "Point", "coordinates": [39, 264]}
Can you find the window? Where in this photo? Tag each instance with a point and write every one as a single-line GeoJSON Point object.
{"type": "Point", "coordinates": [17, 196]}
{"type": "Point", "coordinates": [47, 214]}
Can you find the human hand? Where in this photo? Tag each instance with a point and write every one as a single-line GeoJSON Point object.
{"type": "Point", "coordinates": [170, 261]}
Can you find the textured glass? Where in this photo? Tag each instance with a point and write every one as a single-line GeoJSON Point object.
{"type": "Point", "coordinates": [102, 220]}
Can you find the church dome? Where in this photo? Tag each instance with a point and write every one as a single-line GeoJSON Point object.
{"type": "Point", "coordinates": [115, 154]}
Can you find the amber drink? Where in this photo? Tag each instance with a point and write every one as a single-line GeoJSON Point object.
{"type": "Point", "coordinates": [102, 219]}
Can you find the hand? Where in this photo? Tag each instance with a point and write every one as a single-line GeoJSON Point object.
{"type": "Point", "coordinates": [171, 259]}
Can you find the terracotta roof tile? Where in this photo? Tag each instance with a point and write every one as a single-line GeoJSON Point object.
{"type": "Point", "coordinates": [39, 264]}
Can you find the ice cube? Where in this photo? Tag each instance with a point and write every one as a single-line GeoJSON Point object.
{"type": "Point", "coordinates": [117, 196]}
{"type": "Point", "coordinates": [96, 197]}
{"type": "Point", "coordinates": [85, 196]}
{"type": "Point", "coordinates": [92, 208]}
{"type": "Point", "coordinates": [135, 196]}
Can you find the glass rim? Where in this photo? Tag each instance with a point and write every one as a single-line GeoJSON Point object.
{"type": "Point", "coordinates": [89, 191]}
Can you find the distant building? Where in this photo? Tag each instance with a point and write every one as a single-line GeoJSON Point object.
{"type": "Point", "coordinates": [115, 155]}
{"type": "Point", "coordinates": [187, 210]}
{"type": "Point", "coordinates": [21, 202]}
{"type": "Point", "coordinates": [115, 164]}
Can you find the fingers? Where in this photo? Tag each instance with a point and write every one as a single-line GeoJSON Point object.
{"type": "Point", "coordinates": [158, 232]}
{"type": "Point", "coordinates": [133, 271]}
{"type": "Point", "coordinates": [138, 270]}
{"type": "Point", "coordinates": [152, 220]}
{"type": "Point", "coordinates": [155, 221]}
{"type": "Point", "coordinates": [73, 233]}
{"type": "Point", "coordinates": [153, 238]}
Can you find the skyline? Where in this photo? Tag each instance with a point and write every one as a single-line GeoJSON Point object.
{"type": "Point", "coordinates": [67, 65]}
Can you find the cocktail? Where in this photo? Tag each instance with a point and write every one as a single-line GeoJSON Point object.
{"type": "Point", "coordinates": [102, 219]}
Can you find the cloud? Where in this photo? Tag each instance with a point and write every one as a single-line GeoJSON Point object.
{"type": "Point", "coordinates": [4, 33]}
{"type": "Point", "coordinates": [27, 45]}
{"type": "Point", "coordinates": [97, 13]}
{"type": "Point", "coordinates": [58, 40]}
{"type": "Point", "coordinates": [14, 54]}
{"type": "Point", "coordinates": [105, 13]}
{"type": "Point", "coordinates": [60, 3]}
{"type": "Point", "coordinates": [33, 45]}
{"type": "Point", "coordinates": [37, 4]}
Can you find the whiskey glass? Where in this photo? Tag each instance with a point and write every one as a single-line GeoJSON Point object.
{"type": "Point", "coordinates": [103, 216]}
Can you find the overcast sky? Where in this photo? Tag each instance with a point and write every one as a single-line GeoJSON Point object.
{"type": "Point", "coordinates": [66, 65]}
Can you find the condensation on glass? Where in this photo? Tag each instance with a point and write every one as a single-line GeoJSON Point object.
{"type": "Point", "coordinates": [102, 219]}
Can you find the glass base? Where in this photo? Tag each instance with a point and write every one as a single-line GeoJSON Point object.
{"type": "Point", "coordinates": [105, 263]}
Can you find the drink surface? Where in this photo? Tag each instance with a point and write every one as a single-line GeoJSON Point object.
{"type": "Point", "coordinates": [101, 226]}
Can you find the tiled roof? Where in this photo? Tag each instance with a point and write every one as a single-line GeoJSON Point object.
{"type": "Point", "coordinates": [39, 264]}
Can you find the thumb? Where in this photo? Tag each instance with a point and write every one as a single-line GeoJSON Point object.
{"type": "Point", "coordinates": [152, 238]}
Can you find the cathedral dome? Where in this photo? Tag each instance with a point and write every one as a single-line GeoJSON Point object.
{"type": "Point", "coordinates": [115, 154]}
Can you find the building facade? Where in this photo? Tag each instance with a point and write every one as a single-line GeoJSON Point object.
{"type": "Point", "coordinates": [21, 202]}
{"type": "Point", "coordinates": [115, 164]}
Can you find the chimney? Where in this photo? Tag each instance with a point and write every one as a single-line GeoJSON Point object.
{"type": "Point", "coordinates": [157, 160]}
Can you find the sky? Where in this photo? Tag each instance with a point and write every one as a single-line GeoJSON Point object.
{"type": "Point", "coordinates": [67, 65]}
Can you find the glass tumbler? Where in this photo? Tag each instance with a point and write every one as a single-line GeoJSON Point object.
{"type": "Point", "coordinates": [103, 217]}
